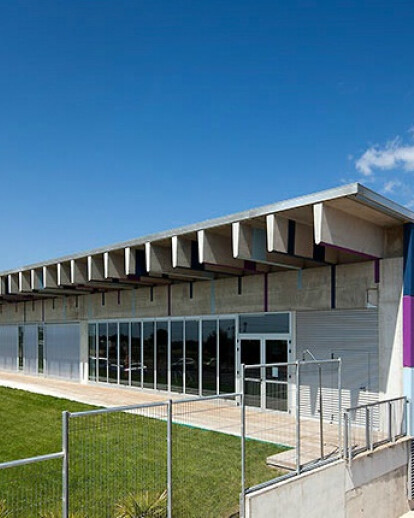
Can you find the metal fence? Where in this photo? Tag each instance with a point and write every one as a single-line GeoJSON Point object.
{"type": "Point", "coordinates": [294, 412]}
{"type": "Point", "coordinates": [199, 456]}
{"type": "Point", "coordinates": [31, 488]}
{"type": "Point", "coordinates": [368, 426]}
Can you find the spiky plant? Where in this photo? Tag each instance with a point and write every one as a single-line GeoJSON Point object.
{"type": "Point", "coordinates": [4, 512]}
{"type": "Point", "coordinates": [143, 505]}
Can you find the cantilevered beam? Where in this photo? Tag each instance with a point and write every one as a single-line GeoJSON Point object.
{"type": "Point", "coordinates": [114, 265]}
{"type": "Point", "coordinates": [64, 274]}
{"type": "Point", "coordinates": [13, 283]}
{"type": "Point", "coordinates": [181, 250]}
{"type": "Point", "coordinates": [335, 228]}
{"type": "Point", "coordinates": [25, 281]}
{"type": "Point", "coordinates": [216, 249]}
{"type": "Point", "coordinates": [50, 277]}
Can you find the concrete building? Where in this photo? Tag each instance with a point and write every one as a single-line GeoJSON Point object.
{"type": "Point", "coordinates": [181, 310]}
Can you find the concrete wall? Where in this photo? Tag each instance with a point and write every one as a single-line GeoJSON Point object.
{"type": "Point", "coordinates": [375, 484]}
{"type": "Point", "coordinates": [309, 289]}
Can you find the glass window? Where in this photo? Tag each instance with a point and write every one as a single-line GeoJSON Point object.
{"type": "Point", "coordinates": [124, 354]}
{"type": "Point", "coordinates": [40, 349]}
{"type": "Point", "coordinates": [162, 355]}
{"type": "Point", "coordinates": [21, 347]}
{"type": "Point", "coordinates": [103, 352]}
{"type": "Point", "coordinates": [177, 356]}
{"type": "Point", "coordinates": [136, 364]}
{"type": "Point", "coordinates": [191, 357]}
{"type": "Point", "coordinates": [266, 323]}
{"type": "Point", "coordinates": [209, 348]}
{"type": "Point", "coordinates": [92, 351]}
{"type": "Point", "coordinates": [113, 353]}
{"type": "Point", "coordinates": [148, 355]}
{"type": "Point", "coordinates": [227, 348]}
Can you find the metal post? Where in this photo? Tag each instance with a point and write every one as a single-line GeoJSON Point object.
{"type": "Point", "coordinates": [405, 417]}
{"type": "Point", "coordinates": [169, 458]}
{"type": "Point", "coordinates": [393, 432]}
{"type": "Point", "coordinates": [389, 421]}
{"type": "Point", "coordinates": [243, 448]}
{"type": "Point", "coordinates": [340, 407]}
{"type": "Point", "coordinates": [367, 428]}
{"type": "Point", "coordinates": [65, 464]}
{"type": "Point", "coordinates": [346, 417]}
{"type": "Point", "coordinates": [321, 412]}
{"type": "Point", "coordinates": [349, 438]}
{"type": "Point", "coordinates": [298, 417]}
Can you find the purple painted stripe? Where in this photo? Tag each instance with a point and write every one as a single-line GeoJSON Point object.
{"type": "Point", "coordinates": [376, 271]}
{"type": "Point", "coordinates": [349, 250]}
{"type": "Point", "coordinates": [266, 293]}
{"type": "Point", "coordinates": [408, 330]}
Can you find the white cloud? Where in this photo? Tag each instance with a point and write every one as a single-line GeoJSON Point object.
{"type": "Point", "coordinates": [392, 156]}
{"type": "Point", "coordinates": [390, 185]}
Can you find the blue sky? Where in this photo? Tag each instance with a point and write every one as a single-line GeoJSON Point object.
{"type": "Point", "coordinates": [121, 118]}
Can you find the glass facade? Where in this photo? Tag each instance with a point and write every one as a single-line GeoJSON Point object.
{"type": "Point", "coordinates": [167, 354]}
{"type": "Point", "coordinates": [191, 355]}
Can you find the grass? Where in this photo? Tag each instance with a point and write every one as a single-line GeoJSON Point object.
{"type": "Point", "coordinates": [116, 456]}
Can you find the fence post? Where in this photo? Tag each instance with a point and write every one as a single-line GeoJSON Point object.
{"type": "Point", "coordinates": [321, 412]}
{"type": "Point", "coordinates": [297, 417]}
{"type": "Point", "coordinates": [389, 421]}
{"type": "Point", "coordinates": [65, 464]}
{"type": "Point", "coordinates": [405, 417]}
{"type": "Point", "coordinates": [169, 458]}
{"type": "Point", "coordinates": [340, 406]}
{"type": "Point", "coordinates": [367, 428]}
{"type": "Point", "coordinates": [345, 452]}
{"type": "Point", "coordinates": [349, 434]}
{"type": "Point", "coordinates": [243, 447]}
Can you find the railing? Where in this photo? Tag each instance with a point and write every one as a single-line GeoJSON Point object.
{"type": "Point", "coordinates": [370, 425]}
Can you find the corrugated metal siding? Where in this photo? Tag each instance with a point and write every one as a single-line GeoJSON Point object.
{"type": "Point", "coordinates": [62, 350]}
{"type": "Point", "coordinates": [30, 349]}
{"type": "Point", "coordinates": [350, 335]}
{"type": "Point", "coordinates": [8, 347]}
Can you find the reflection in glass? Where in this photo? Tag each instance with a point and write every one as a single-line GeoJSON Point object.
{"type": "Point", "coordinates": [124, 354]}
{"type": "Point", "coordinates": [40, 349]}
{"type": "Point", "coordinates": [162, 355]}
{"type": "Point", "coordinates": [250, 355]}
{"type": "Point", "coordinates": [177, 356]}
{"type": "Point", "coordinates": [21, 347]}
{"type": "Point", "coordinates": [227, 349]}
{"type": "Point", "coordinates": [136, 366]}
{"type": "Point", "coordinates": [148, 355]}
{"type": "Point", "coordinates": [103, 352]}
{"type": "Point", "coordinates": [276, 377]}
{"type": "Point", "coordinates": [209, 348]}
{"type": "Point", "coordinates": [191, 359]}
{"type": "Point", "coordinates": [92, 351]}
{"type": "Point", "coordinates": [113, 353]}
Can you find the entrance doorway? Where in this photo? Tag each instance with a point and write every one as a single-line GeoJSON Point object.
{"type": "Point", "coordinates": [265, 387]}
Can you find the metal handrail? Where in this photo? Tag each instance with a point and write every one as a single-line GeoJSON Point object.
{"type": "Point", "coordinates": [375, 403]}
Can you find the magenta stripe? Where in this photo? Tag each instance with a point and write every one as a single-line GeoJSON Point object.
{"type": "Point", "coordinates": [266, 293]}
{"type": "Point", "coordinates": [349, 250]}
{"type": "Point", "coordinates": [408, 338]}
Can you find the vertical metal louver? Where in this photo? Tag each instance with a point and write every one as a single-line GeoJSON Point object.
{"type": "Point", "coordinates": [30, 349]}
{"type": "Point", "coordinates": [62, 350]}
{"type": "Point", "coordinates": [410, 476]}
{"type": "Point", "coordinates": [8, 347]}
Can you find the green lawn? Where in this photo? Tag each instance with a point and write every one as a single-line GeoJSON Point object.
{"type": "Point", "coordinates": [114, 455]}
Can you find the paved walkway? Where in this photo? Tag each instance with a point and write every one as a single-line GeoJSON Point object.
{"type": "Point", "coordinates": [218, 415]}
